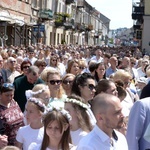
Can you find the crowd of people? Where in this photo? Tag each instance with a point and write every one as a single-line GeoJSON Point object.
{"type": "Point", "coordinates": [73, 97]}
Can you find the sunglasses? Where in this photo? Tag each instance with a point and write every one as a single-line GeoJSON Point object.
{"type": "Point", "coordinates": [133, 63]}
{"type": "Point", "coordinates": [81, 68]}
{"type": "Point", "coordinates": [26, 67]}
{"type": "Point", "coordinates": [67, 82]}
{"type": "Point", "coordinates": [91, 87]}
{"type": "Point", "coordinates": [52, 82]}
{"type": "Point", "coordinates": [54, 60]}
{"type": "Point", "coordinates": [7, 85]}
{"type": "Point", "coordinates": [12, 61]}
{"type": "Point", "coordinates": [43, 65]}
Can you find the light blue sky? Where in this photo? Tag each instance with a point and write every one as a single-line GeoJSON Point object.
{"type": "Point", "coordinates": [118, 11]}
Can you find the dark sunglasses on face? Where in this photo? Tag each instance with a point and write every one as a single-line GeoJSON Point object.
{"type": "Point", "coordinates": [43, 65]}
{"type": "Point", "coordinates": [52, 82]}
{"type": "Point", "coordinates": [91, 87]}
{"type": "Point", "coordinates": [81, 68]}
{"type": "Point", "coordinates": [12, 61]}
{"type": "Point", "coordinates": [26, 67]}
{"type": "Point", "coordinates": [54, 60]}
{"type": "Point", "coordinates": [67, 82]}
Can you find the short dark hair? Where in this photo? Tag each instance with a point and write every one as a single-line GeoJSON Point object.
{"type": "Point", "coordinates": [24, 63]}
{"type": "Point", "coordinates": [103, 85]}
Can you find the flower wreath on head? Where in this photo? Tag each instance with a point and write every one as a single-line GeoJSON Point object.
{"type": "Point", "coordinates": [30, 93]}
{"type": "Point", "coordinates": [61, 110]}
{"type": "Point", "coordinates": [38, 102]}
{"type": "Point", "coordinates": [74, 101]}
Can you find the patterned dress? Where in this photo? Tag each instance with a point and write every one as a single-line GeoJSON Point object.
{"type": "Point", "coordinates": [11, 118]}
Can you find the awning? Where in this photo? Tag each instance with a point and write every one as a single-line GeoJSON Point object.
{"type": "Point", "coordinates": [5, 15]}
{"type": "Point", "coordinates": [10, 18]}
{"type": "Point", "coordinates": [19, 20]}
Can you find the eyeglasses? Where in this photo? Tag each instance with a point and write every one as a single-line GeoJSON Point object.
{"type": "Point", "coordinates": [91, 87]}
{"type": "Point", "coordinates": [133, 63]}
{"type": "Point", "coordinates": [31, 53]}
{"type": "Point", "coordinates": [12, 61]}
{"type": "Point", "coordinates": [52, 82]}
{"type": "Point", "coordinates": [54, 59]}
{"type": "Point", "coordinates": [7, 85]}
{"type": "Point", "coordinates": [81, 68]}
{"type": "Point", "coordinates": [26, 67]}
{"type": "Point", "coordinates": [67, 82]}
{"type": "Point", "coordinates": [43, 65]}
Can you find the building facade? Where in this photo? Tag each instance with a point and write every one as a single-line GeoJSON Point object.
{"type": "Point", "coordinates": [51, 22]}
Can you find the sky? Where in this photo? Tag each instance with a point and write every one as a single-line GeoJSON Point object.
{"type": "Point", "coordinates": [118, 11]}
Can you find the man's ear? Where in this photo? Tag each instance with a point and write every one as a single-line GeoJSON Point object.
{"type": "Point", "coordinates": [99, 117]}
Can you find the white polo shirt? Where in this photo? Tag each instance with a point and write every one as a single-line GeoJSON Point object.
{"type": "Point", "coordinates": [98, 140]}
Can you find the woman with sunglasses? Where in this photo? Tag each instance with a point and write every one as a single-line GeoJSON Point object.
{"type": "Point", "coordinates": [84, 86]}
{"type": "Point", "coordinates": [24, 68]}
{"type": "Point", "coordinates": [52, 78]}
{"type": "Point", "coordinates": [55, 63]}
{"type": "Point", "coordinates": [67, 81]}
{"type": "Point", "coordinates": [10, 114]}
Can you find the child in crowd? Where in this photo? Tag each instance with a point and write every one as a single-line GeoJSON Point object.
{"type": "Point", "coordinates": [80, 124]}
{"type": "Point", "coordinates": [56, 131]}
{"type": "Point", "coordinates": [34, 131]}
{"type": "Point", "coordinates": [39, 91]}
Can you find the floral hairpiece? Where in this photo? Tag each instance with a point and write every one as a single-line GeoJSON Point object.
{"type": "Point", "coordinates": [30, 93]}
{"type": "Point", "coordinates": [77, 102]}
{"type": "Point", "coordinates": [61, 110]}
{"type": "Point", "coordinates": [38, 102]}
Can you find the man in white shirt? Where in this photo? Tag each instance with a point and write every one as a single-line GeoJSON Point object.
{"type": "Point", "coordinates": [108, 113]}
{"type": "Point", "coordinates": [98, 58]}
{"type": "Point", "coordinates": [31, 55]}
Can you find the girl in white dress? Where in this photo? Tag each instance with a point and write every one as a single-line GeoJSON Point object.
{"type": "Point", "coordinates": [34, 131]}
{"type": "Point", "coordinates": [80, 124]}
{"type": "Point", "coordinates": [56, 131]}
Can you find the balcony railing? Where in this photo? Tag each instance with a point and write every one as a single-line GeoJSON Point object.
{"type": "Point", "coordinates": [59, 24]}
{"type": "Point", "coordinates": [46, 14]}
{"type": "Point", "coordinates": [135, 27]}
{"type": "Point", "coordinates": [68, 2]}
{"type": "Point", "coordinates": [80, 27]}
{"type": "Point", "coordinates": [138, 12]}
{"type": "Point", "coordinates": [61, 19]}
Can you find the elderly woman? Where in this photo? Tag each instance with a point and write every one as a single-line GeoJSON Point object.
{"type": "Point", "coordinates": [52, 78]}
{"type": "Point", "coordinates": [10, 113]}
{"type": "Point", "coordinates": [24, 68]}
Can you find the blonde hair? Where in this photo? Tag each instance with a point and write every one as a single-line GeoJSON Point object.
{"type": "Point", "coordinates": [51, 71]}
{"type": "Point", "coordinates": [47, 71]}
{"type": "Point", "coordinates": [122, 75]}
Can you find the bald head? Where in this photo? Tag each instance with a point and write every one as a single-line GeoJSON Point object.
{"type": "Point", "coordinates": [102, 102]}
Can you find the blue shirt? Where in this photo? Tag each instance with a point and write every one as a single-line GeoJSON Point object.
{"type": "Point", "coordinates": [139, 119]}
{"type": "Point", "coordinates": [110, 71]}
